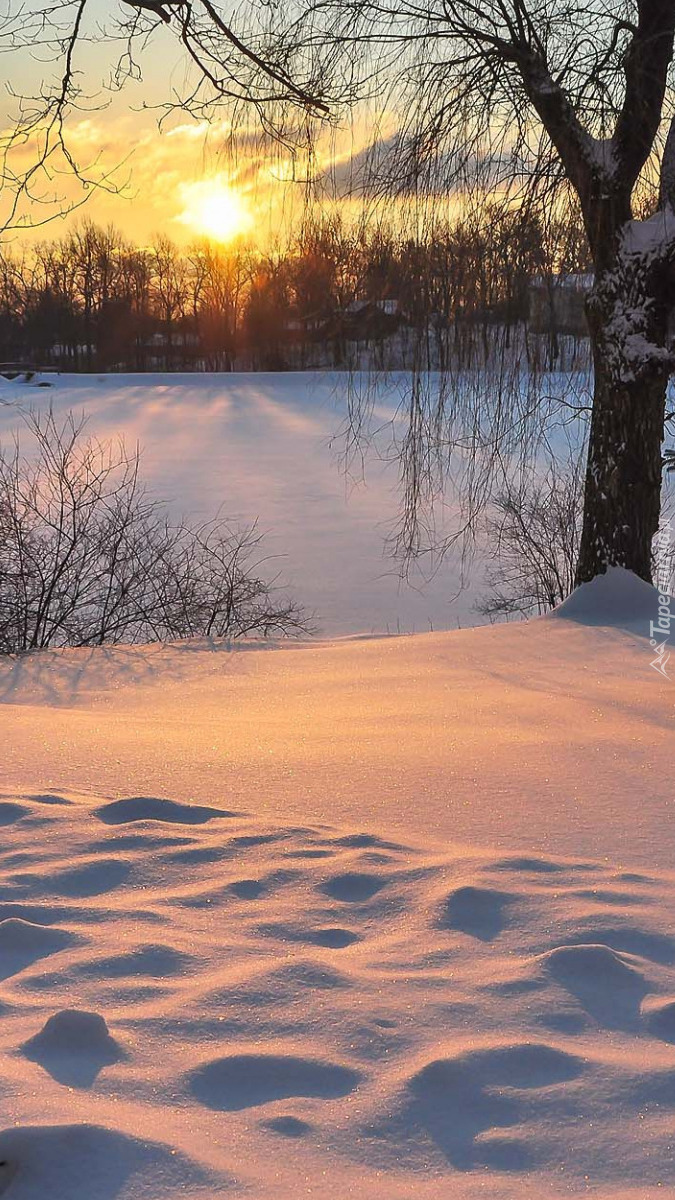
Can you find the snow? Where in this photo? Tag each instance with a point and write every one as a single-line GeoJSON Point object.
{"type": "Point", "coordinates": [269, 447]}
{"type": "Point", "coordinates": [617, 598]}
{"type": "Point", "coordinates": [382, 917]}
{"type": "Point", "coordinates": [649, 238]}
{"type": "Point", "coordinates": [369, 916]}
{"type": "Point", "coordinates": [571, 281]}
{"type": "Point", "coordinates": [602, 155]}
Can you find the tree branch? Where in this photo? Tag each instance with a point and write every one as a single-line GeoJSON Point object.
{"type": "Point", "coordinates": [556, 113]}
{"type": "Point", "coordinates": [267, 69]}
{"type": "Point", "coordinates": [645, 64]}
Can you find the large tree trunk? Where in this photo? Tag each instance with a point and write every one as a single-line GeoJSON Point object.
{"type": "Point", "coordinates": [623, 479]}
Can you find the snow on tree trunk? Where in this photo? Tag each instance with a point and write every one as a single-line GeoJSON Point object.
{"type": "Point", "coordinates": [627, 314]}
{"type": "Point", "coordinates": [622, 495]}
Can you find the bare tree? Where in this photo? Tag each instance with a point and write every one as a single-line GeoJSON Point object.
{"type": "Point", "coordinates": [541, 98]}
{"type": "Point", "coordinates": [553, 99]}
{"type": "Point", "coordinates": [170, 287]}
{"type": "Point", "coordinates": [533, 536]}
{"type": "Point", "coordinates": [88, 556]}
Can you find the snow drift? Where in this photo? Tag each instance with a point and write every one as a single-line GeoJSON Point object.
{"type": "Point", "coordinates": [389, 918]}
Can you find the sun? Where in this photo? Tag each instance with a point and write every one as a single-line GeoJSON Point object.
{"type": "Point", "coordinates": [215, 210]}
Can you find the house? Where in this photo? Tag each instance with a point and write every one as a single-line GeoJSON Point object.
{"type": "Point", "coordinates": [367, 320]}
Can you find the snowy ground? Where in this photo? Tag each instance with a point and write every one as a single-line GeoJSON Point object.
{"type": "Point", "coordinates": [382, 918]}
{"type": "Point", "coordinates": [269, 446]}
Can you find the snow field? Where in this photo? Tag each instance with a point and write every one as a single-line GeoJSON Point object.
{"type": "Point", "coordinates": [197, 1003]}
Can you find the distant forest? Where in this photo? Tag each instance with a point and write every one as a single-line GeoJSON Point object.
{"type": "Point", "coordinates": [335, 296]}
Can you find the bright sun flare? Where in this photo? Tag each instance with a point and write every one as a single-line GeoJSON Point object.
{"type": "Point", "coordinates": [215, 210]}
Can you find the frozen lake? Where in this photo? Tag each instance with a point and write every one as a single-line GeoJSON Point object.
{"type": "Point", "coordinates": [269, 447]}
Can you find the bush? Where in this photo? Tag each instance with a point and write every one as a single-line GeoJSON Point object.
{"type": "Point", "coordinates": [534, 533]}
{"type": "Point", "coordinates": [88, 557]}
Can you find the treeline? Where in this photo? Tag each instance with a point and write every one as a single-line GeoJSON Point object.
{"type": "Point", "coordinates": [92, 301]}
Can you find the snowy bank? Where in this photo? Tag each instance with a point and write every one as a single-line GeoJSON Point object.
{"type": "Point", "coordinates": [385, 918]}
{"type": "Point", "coordinates": [617, 599]}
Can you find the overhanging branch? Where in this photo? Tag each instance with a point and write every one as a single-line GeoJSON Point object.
{"type": "Point", "coordinates": [646, 63]}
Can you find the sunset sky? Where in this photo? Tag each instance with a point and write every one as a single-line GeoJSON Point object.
{"type": "Point", "coordinates": [182, 181]}
{"type": "Point", "coordinates": [183, 177]}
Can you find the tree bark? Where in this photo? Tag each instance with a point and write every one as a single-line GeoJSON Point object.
{"type": "Point", "coordinates": [622, 497]}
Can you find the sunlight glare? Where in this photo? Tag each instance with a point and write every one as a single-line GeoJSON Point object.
{"type": "Point", "coordinates": [215, 210]}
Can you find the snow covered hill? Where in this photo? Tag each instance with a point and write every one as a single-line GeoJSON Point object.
{"type": "Point", "coordinates": [385, 918]}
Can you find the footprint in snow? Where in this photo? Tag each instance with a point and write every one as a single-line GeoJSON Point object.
{"type": "Point", "coordinates": [479, 912]}
{"type": "Point", "coordinates": [463, 1102]}
{"type": "Point", "coordinates": [247, 1080]}
{"type": "Point", "coordinates": [353, 887]}
{"type": "Point", "coordinates": [11, 813]}
{"type": "Point", "coordinates": [91, 879]}
{"type": "Point", "coordinates": [365, 841]}
{"type": "Point", "coordinates": [155, 961]}
{"type": "Point", "coordinates": [291, 1127]}
{"type": "Point", "coordinates": [332, 937]}
{"type": "Point", "coordinates": [247, 889]}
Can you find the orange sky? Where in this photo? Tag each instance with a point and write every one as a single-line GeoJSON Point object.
{"type": "Point", "coordinates": [169, 179]}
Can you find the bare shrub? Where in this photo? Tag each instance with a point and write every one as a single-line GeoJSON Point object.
{"type": "Point", "coordinates": [534, 535]}
{"type": "Point", "coordinates": [88, 556]}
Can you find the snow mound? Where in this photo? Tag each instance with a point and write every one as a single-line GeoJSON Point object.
{"type": "Point", "coordinates": [617, 599]}
{"type": "Point", "coordinates": [85, 1162]}
{"type": "Point", "coordinates": [598, 966]}
{"type": "Point", "coordinates": [608, 986]}
{"type": "Point", "coordinates": [73, 1047]}
{"type": "Point", "coordinates": [659, 1017]}
{"type": "Point", "coordinates": [397, 1018]}
{"type": "Point", "coordinates": [72, 1031]}
{"type": "Point", "coordinates": [153, 808]}
{"type": "Point", "coordinates": [23, 943]}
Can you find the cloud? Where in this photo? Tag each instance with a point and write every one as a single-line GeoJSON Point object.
{"type": "Point", "coordinates": [148, 173]}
